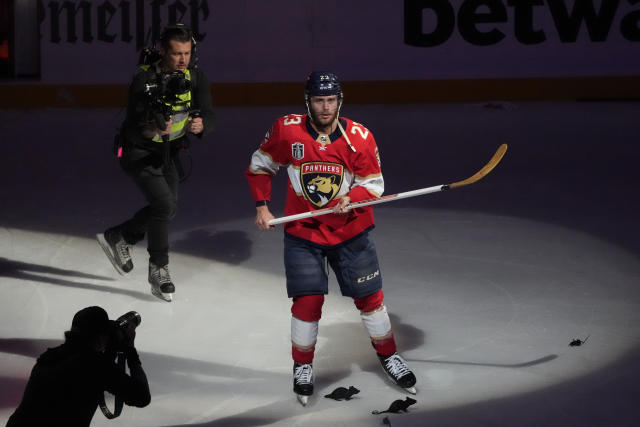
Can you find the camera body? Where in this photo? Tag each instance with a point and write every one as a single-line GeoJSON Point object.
{"type": "Point", "coordinates": [131, 317]}
{"type": "Point", "coordinates": [162, 93]}
{"type": "Point", "coordinates": [118, 337]}
{"type": "Point", "coordinates": [168, 86]}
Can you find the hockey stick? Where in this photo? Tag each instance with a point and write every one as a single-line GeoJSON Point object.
{"type": "Point", "coordinates": [384, 199]}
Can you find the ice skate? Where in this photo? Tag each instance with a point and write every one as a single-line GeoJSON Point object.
{"type": "Point", "coordinates": [397, 369]}
{"type": "Point", "coordinates": [116, 249]}
{"type": "Point", "coordinates": [303, 381]}
{"type": "Point", "coordinates": [161, 284]}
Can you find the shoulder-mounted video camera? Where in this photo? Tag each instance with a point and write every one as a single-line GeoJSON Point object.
{"type": "Point", "coordinates": [168, 86]}
{"type": "Point", "coordinates": [162, 93]}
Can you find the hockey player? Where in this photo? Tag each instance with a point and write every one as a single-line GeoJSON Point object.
{"type": "Point", "coordinates": [331, 161]}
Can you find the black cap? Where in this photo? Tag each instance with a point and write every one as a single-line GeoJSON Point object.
{"type": "Point", "coordinates": [90, 321]}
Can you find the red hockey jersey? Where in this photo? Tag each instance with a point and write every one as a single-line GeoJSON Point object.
{"type": "Point", "coordinates": [321, 169]}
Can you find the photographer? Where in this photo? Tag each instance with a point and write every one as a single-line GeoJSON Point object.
{"type": "Point", "coordinates": [167, 101]}
{"type": "Point", "coordinates": [68, 382]}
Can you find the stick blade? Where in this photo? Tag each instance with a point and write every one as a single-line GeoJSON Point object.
{"type": "Point", "coordinates": [485, 170]}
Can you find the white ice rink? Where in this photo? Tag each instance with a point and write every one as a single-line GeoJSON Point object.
{"type": "Point", "coordinates": [487, 285]}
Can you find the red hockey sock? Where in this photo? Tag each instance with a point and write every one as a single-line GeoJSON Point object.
{"type": "Point", "coordinates": [370, 302]}
{"type": "Point", "coordinates": [308, 307]}
{"type": "Point", "coordinates": [386, 346]}
{"type": "Point", "coordinates": [302, 356]}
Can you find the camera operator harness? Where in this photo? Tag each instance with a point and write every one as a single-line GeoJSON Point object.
{"type": "Point", "coordinates": [168, 96]}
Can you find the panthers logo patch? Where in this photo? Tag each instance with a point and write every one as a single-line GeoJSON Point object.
{"type": "Point", "coordinates": [321, 181]}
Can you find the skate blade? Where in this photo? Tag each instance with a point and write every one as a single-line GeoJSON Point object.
{"type": "Point", "coordinates": [107, 251]}
{"type": "Point", "coordinates": [161, 295]}
{"type": "Point", "coordinates": [303, 399]}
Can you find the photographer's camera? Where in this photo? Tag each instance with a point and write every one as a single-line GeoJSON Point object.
{"type": "Point", "coordinates": [119, 338]}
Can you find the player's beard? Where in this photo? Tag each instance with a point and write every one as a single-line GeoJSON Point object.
{"type": "Point", "coordinates": [323, 123]}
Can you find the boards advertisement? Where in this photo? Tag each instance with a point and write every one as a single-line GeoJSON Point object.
{"type": "Point", "coordinates": [98, 42]}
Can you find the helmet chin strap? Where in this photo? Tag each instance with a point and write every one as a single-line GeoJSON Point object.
{"type": "Point", "coordinates": [342, 129]}
{"type": "Point", "coordinates": [345, 136]}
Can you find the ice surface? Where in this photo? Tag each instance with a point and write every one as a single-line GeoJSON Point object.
{"type": "Point", "coordinates": [486, 285]}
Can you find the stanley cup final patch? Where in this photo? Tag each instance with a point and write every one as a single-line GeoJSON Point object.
{"type": "Point", "coordinates": [297, 150]}
{"type": "Point", "coordinates": [321, 181]}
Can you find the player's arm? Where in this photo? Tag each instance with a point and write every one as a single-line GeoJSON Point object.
{"type": "Point", "coordinates": [368, 181]}
{"type": "Point", "coordinates": [259, 174]}
{"type": "Point", "coordinates": [264, 165]}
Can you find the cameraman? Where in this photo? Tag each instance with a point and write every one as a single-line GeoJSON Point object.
{"type": "Point", "coordinates": [68, 381]}
{"type": "Point", "coordinates": [159, 116]}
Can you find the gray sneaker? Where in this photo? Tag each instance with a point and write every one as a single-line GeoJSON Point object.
{"type": "Point", "coordinates": [160, 280]}
{"type": "Point", "coordinates": [116, 249]}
